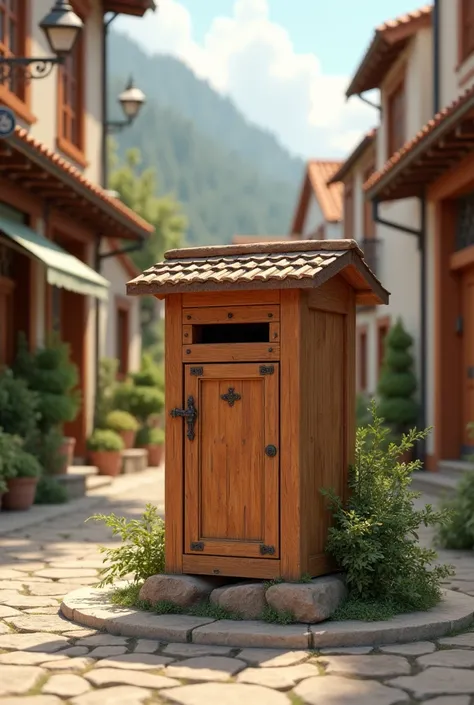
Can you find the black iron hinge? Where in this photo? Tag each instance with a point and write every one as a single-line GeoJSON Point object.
{"type": "Point", "coordinates": [267, 550]}
{"type": "Point", "coordinates": [197, 546]}
{"type": "Point", "coordinates": [267, 369]}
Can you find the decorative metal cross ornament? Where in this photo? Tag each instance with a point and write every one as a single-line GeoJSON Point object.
{"type": "Point", "coordinates": [231, 397]}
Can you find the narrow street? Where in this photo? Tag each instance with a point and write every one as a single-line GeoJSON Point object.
{"type": "Point", "coordinates": [46, 660]}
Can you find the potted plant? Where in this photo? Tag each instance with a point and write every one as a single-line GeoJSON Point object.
{"type": "Point", "coordinates": [105, 448]}
{"type": "Point", "coordinates": [153, 440]}
{"type": "Point", "coordinates": [397, 384]}
{"type": "Point", "coordinates": [8, 445]}
{"type": "Point", "coordinates": [51, 374]}
{"type": "Point", "coordinates": [124, 424]}
{"type": "Point", "coordinates": [23, 471]}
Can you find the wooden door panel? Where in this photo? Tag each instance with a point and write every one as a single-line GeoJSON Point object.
{"type": "Point", "coordinates": [232, 485]}
{"type": "Point", "coordinates": [468, 353]}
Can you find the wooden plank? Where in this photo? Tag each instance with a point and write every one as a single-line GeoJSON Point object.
{"type": "Point", "coordinates": [271, 469]}
{"type": "Point", "coordinates": [275, 332]}
{"type": "Point", "coordinates": [333, 295]}
{"type": "Point", "coordinates": [290, 424]}
{"type": "Point", "coordinates": [350, 392]}
{"type": "Point", "coordinates": [233, 567]}
{"type": "Point", "coordinates": [174, 471]}
{"type": "Point", "coordinates": [228, 352]}
{"type": "Point", "coordinates": [231, 371]}
{"type": "Point", "coordinates": [187, 335]}
{"type": "Point", "coordinates": [232, 314]}
{"type": "Point", "coordinates": [231, 298]}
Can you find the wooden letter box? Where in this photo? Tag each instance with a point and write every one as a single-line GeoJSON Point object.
{"type": "Point", "coordinates": [260, 401]}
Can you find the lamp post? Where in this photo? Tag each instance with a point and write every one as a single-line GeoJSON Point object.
{"type": "Point", "coordinates": [132, 100]}
{"type": "Point", "coordinates": [62, 28]}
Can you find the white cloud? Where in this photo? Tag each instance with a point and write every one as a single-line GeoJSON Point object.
{"type": "Point", "coordinates": [253, 60]}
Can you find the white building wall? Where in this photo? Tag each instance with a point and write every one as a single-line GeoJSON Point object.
{"type": "Point", "coordinates": [314, 218]}
{"type": "Point", "coordinates": [455, 78]}
{"type": "Point", "coordinates": [334, 231]}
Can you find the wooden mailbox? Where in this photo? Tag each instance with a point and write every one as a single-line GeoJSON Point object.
{"type": "Point", "coordinates": [260, 400]}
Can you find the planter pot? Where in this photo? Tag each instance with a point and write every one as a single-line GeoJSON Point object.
{"type": "Point", "coordinates": [406, 456]}
{"type": "Point", "coordinates": [108, 462]}
{"type": "Point", "coordinates": [67, 451]}
{"type": "Point", "coordinates": [155, 455]}
{"type": "Point", "coordinates": [20, 494]}
{"type": "Point", "coordinates": [128, 437]}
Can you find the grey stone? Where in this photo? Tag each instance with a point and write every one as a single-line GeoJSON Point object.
{"type": "Point", "coordinates": [107, 651]}
{"type": "Point", "coordinates": [102, 640]}
{"type": "Point", "coordinates": [66, 686]}
{"type": "Point", "coordinates": [278, 678]}
{"type": "Point", "coordinates": [28, 658]}
{"type": "Point", "coordinates": [437, 681]}
{"type": "Point", "coordinates": [449, 700]}
{"type": "Point", "coordinates": [21, 601]}
{"type": "Point", "coordinates": [32, 700]}
{"type": "Point", "coordinates": [190, 650]}
{"type": "Point", "coordinates": [451, 658]}
{"type": "Point", "coordinates": [136, 662]}
{"type": "Point", "coordinates": [146, 646]}
{"type": "Point", "coordinates": [336, 689]}
{"type": "Point", "coordinates": [163, 627]}
{"type": "Point", "coordinates": [64, 573]}
{"type": "Point", "coordinates": [459, 640]}
{"type": "Point", "coordinates": [273, 658]}
{"type": "Point", "coordinates": [417, 648]}
{"type": "Point", "coordinates": [125, 695]}
{"type": "Point", "coordinates": [74, 651]}
{"type": "Point", "coordinates": [116, 676]}
{"type": "Point", "coordinates": [45, 643]}
{"type": "Point", "coordinates": [41, 623]}
{"type": "Point", "coordinates": [246, 599]}
{"type": "Point", "coordinates": [68, 664]}
{"type": "Point", "coordinates": [16, 680]}
{"type": "Point", "coordinates": [182, 590]}
{"type": "Point", "coordinates": [374, 666]}
{"type": "Point", "coordinates": [226, 632]}
{"type": "Point", "coordinates": [224, 694]}
{"type": "Point", "coordinates": [310, 603]}
{"type": "Point", "coordinates": [342, 650]}
{"type": "Point", "coordinates": [205, 668]}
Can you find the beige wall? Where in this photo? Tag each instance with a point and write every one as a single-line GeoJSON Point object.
{"type": "Point", "coordinates": [454, 79]}
{"type": "Point", "coordinates": [44, 91]}
{"type": "Point", "coordinates": [315, 218]}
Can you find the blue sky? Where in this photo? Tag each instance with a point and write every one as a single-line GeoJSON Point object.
{"type": "Point", "coordinates": [285, 63]}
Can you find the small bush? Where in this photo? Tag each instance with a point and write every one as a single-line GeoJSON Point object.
{"type": "Point", "coordinates": [49, 491]}
{"type": "Point", "coordinates": [25, 464]}
{"type": "Point", "coordinates": [121, 421]}
{"type": "Point", "coordinates": [104, 439]}
{"type": "Point", "coordinates": [107, 384]}
{"type": "Point", "coordinates": [374, 538]}
{"type": "Point", "coordinates": [19, 407]}
{"type": "Point", "coordinates": [142, 551]}
{"type": "Point", "coordinates": [140, 401]}
{"type": "Point", "coordinates": [149, 375]}
{"type": "Point", "coordinates": [148, 435]}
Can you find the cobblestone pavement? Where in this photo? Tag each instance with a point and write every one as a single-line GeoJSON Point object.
{"type": "Point", "coordinates": [46, 660]}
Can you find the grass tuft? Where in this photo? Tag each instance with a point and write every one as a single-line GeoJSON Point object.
{"type": "Point", "coordinates": [272, 616]}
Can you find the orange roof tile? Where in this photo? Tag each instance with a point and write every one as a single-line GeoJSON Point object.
{"type": "Point", "coordinates": [318, 173]}
{"type": "Point", "coordinates": [356, 154]}
{"type": "Point", "coordinates": [304, 263]}
{"type": "Point", "coordinates": [103, 198]}
{"type": "Point", "coordinates": [390, 38]}
{"type": "Point", "coordinates": [439, 125]}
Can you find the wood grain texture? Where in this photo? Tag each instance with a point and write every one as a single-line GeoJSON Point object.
{"type": "Point", "coordinates": [174, 460]}
{"type": "Point", "coordinates": [232, 314]}
{"type": "Point", "coordinates": [231, 298]}
{"type": "Point", "coordinates": [229, 352]}
{"type": "Point", "coordinates": [232, 567]}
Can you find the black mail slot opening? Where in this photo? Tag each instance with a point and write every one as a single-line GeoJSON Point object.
{"type": "Point", "coordinates": [234, 333]}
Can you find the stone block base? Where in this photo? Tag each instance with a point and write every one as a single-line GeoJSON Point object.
{"type": "Point", "coordinates": [74, 484]}
{"type": "Point", "coordinates": [134, 460]}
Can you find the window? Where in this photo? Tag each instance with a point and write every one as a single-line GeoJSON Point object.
{"type": "Point", "coordinates": [383, 326]}
{"type": "Point", "coordinates": [71, 104]}
{"type": "Point", "coordinates": [348, 210]}
{"type": "Point", "coordinates": [122, 333]}
{"type": "Point", "coordinates": [14, 22]}
{"type": "Point", "coordinates": [362, 359]}
{"type": "Point", "coordinates": [369, 225]}
{"type": "Point", "coordinates": [466, 29]}
{"type": "Point", "coordinates": [396, 119]}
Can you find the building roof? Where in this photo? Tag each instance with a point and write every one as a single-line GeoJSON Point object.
{"type": "Point", "coordinates": [318, 173]}
{"type": "Point", "coordinates": [291, 264]}
{"type": "Point", "coordinates": [42, 171]}
{"type": "Point", "coordinates": [438, 146]}
{"type": "Point", "coordinates": [367, 140]}
{"type": "Point", "coordinates": [249, 239]}
{"type": "Point", "coordinates": [389, 40]}
{"type": "Point", "coordinates": [129, 7]}
{"type": "Point", "coordinates": [124, 260]}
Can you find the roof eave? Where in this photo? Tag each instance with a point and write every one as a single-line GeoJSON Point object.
{"type": "Point", "coordinates": [353, 158]}
{"type": "Point", "coordinates": [358, 78]}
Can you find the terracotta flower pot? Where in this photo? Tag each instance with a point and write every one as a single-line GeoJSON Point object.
{"type": "Point", "coordinates": [108, 462]}
{"type": "Point", "coordinates": [128, 437]}
{"type": "Point", "coordinates": [155, 455]}
{"type": "Point", "coordinates": [67, 451]}
{"type": "Point", "coordinates": [20, 494]}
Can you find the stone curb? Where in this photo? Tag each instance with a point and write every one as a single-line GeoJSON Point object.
{"type": "Point", "coordinates": [17, 521]}
{"type": "Point", "coordinates": [91, 607]}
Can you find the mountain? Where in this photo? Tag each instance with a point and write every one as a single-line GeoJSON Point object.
{"type": "Point", "coordinates": [231, 176]}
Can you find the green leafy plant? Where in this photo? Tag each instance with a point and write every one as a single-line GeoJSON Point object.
{"type": "Point", "coordinates": [104, 439]}
{"type": "Point", "coordinates": [121, 421]}
{"type": "Point", "coordinates": [273, 616]}
{"type": "Point", "coordinates": [142, 551]}
{"type": "Point", "coordinates": [49, 491]}
{"type": "Point", "coordinates": [140, 401]}
{"type": "Point", "coordinates": [10, 446]}
{"type": "Point", "coordinates": [374, 537]}
{"type": "Point", "coordinates": [363, 417]}
{"type": "Point", "coordinates": [397, 384]}
{"type": "Point", "coordinates": [150, 374]}
{"type": "Point", "coordinates": [147, 435]}
{"type": "Point", "coordinates": [25, 464]}
{"type": "Point", "coordinates": [107, 383]}
{"type": "Point", "coordinates": [19, 414]}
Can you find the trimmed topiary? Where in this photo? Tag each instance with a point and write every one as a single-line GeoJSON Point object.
{"type": "Point", "coordinates": [104, 440]}
{"type": "Point", "coordinates": [119, 421]}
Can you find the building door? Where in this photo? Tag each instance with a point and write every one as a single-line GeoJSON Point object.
{"type": "Point", "coordinates": [467, 357]}
{"type": "Point", "coordinates": [232, 460]}
{"type": "Point", "coordinates": [6, 321]}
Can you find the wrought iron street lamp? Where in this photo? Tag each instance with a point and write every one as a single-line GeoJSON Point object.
{"type": "Point", "coordinates": [62, 28]}
{"type": "Point", "coordinates": [132, 99]}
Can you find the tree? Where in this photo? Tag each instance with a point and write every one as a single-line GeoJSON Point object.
{"type": "Point", "coordinates": [138, 189]}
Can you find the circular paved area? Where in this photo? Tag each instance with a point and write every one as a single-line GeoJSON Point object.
{"type": "Point", "coordinates": [46, 660]}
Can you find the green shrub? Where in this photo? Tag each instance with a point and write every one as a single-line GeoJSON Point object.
{"type": "Point", "coordinates": [363, 417]}
{"type": "Point", "coordinates": [47, 449]}
{"type": "Point", "coordinates": [149, 375]}
{"type": "Point", "coordinates": [19, 413]}
{"type": "Point", "coordinates": [104, 439]}
{"type": "Point", "coordinates": [147, 435]}
{"type": "Point", "coordinates": [140, 401]}
{"type": "Point", "coordinates": [121, 421]}
{"type": "Point", "coordinates": [397, 384]}
{"type": "Point", "coordinates": [10, 446]}
{"type": "Point", "coordinates": [49, 491]}
{"type": "Point", "coordinates": [374, 538]}
{"type": "Point", "coordinates": [142, 551]}
{"type": "Point", "coordinates": [25, 464]}
{"type": "Point", "coordinates": [107, 383]}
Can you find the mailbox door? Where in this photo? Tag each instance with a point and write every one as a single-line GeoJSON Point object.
{"type": "Point", "coordinates": [232, 463]}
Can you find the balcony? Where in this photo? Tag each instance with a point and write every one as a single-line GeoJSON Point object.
{"type": "Point", "coordinates": [371, 249]}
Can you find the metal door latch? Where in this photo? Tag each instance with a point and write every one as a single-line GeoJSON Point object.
{"type": "Point", "coordinates": [189, 414]}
